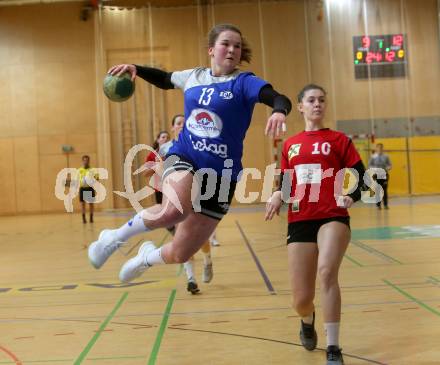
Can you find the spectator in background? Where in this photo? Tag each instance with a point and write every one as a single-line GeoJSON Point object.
{"type": "Point", "coordinates": [381, 160]}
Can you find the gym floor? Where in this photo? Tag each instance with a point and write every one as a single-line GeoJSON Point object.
{"type": "Point", "coordinates": [56, 308]}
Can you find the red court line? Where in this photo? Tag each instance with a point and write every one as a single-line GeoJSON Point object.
{"type": "Point", "coordinates": [180, 324]}
{"type": "Point", "coordinates": [64, 334]}
{"type": "Point", "coordinates": [23, 338]}
{"type": "Point", "coordinates": [11, 355]}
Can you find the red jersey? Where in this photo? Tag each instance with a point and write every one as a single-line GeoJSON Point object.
{"type": "Point", "coordinates": [316, 162]}
{"type": "Point", "coordinates": [150, 161]}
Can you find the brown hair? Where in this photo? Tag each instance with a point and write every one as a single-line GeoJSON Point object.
{"type": "Point", "coordinates": [155, 143]}
{"type": "Point", "coordinates": [307, 88]}
{"type": "Point", "coordinates": [246, 52]}
{"type": "Point", "coordinates": [173, 121]}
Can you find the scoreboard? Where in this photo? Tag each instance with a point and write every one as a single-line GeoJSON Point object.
{"type": "Point", "coordinates": [379, 56]}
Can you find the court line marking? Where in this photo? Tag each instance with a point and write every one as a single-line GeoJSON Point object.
{"type": "Point", "coordinates": [11, 355]}
{"type": "Point", "coordinates": [162, 328]}
{"type": "Point", "coordinates": [276, 341]}
{"type": "Point", "coordinates": [70, 360]}
{"type": "Point", "coordinates": [375, 252]}
{"type": "Point", "coordinates": [164, 322]}
{"type": "Point", "coordinates": [357, 263]}
{"type": "Point", "coordinates": [143, 239]}
{"type": "Point", "coordinates": [269, 285]}
{"type": "Point", "coordinates": [89, 346]}
{"type": "Point", "coordinates": [41, 291]}
{"type": "Point", "coordinates": [414, 299]}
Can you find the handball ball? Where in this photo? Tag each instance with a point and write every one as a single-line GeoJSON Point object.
{"type": "Point", "coordinates": [118, 88]}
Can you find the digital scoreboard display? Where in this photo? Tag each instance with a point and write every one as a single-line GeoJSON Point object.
{"type": "Point", "coordinates": [379, 56]}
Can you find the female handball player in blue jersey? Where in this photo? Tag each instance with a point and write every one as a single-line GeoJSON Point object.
{"type": "Point", "coordinates": [314, 163]}
{"type": "Point", "coordinates": [219, 102]}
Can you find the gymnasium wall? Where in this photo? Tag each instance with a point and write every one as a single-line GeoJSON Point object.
{"type": "Point", "coordinates": [47, 99]}
{"type": "Point", "coordinates": [52, 66]}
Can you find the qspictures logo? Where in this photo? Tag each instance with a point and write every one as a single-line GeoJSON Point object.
{"type": "Point", "coordinates": [306, 175]}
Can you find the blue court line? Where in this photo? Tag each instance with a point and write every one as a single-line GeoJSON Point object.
{"type": "Point", "coordinates": [375, 252]}
{"type": "Point", "coordinates": [257, 262]}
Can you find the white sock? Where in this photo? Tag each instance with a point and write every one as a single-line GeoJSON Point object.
{"type": "Point", "coordinates": [332, 333]}
{"type": "Point", "coordinates": [189, 269]}
{"type": "Point", "coordinates": [207, 259]}
{"type": "Point", "coordinates": [133, 227]}
{"type": "Point", "coordinates": [155, 257]}
{"type": "Point", "coordinates": [308, 319]}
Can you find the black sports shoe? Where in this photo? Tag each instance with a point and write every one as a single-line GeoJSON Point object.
{"type": "Point", "coordinates": [308, 335]}
{"type": "Point", "coordinates": [192, 287]}
{"type": "Point", "coordinates": [334, 356]}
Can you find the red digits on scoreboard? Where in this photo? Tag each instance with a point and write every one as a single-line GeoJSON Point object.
{"type": "Point", "coordinates": [390, 56]}
{"type": "Point", "coordinates": [398, 40]}
{"type": "Point", "coordinates": [373, 56]}
{"type": "Point", "coordinates": [366, 42]}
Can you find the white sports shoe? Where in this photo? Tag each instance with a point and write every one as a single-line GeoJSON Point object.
{"type": "Point", "coordinates": [102, 249]}
{"type": "Point", "coordinates": [136, 266]}
{"type": "Point", "coordinates": [208, 273]}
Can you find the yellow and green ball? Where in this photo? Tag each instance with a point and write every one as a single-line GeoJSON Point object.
{"type": "Point", "coordinates": [118, 88]}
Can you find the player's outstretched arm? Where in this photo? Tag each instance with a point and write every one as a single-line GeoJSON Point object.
{"type": "Point", "coordinates": [276, 124]}
{"type": "Point", "coordinates": [155, 76]}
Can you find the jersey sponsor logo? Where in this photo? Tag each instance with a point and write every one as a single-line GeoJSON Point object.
{"type": "Point", "coordinates": [204, 123]}
{"type": "Point", "coordinates": [218, 149]}
{"type": "Point", "coordinates": [310, 173]}
{"type": "Point", "coordinates": [227, 95]}
{"type": "Point", "coordinates": [295, 206]}
{"type": "Point", "coordinates": [293, 150]}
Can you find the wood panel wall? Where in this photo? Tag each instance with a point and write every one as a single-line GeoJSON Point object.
{"type": "Point", "coordinates": [49, 78]}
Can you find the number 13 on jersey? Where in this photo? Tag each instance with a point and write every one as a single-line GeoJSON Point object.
{"type": "Point", "coordinates": [205, 97]}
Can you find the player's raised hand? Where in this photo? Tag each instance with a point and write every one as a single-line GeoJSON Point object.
{"type": "Point", "coordinates": [120, 69]}
{"type": "Point", "coordinates": [276, 125]}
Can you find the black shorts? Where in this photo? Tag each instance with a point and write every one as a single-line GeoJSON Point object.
{"type": "Point", "coordinates": [221, 194]}
{"type": "Point", "coordinates": [85, 196]}
{"type": "Point", "coordinates": [307, 231]}
{"type": "Point", "coordinates": [158, 196]}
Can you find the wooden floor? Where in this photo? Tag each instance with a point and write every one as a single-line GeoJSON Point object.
{"type": "Point", "coordinates": [56, 309]}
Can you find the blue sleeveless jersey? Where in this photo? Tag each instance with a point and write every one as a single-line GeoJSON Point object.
{"type": "Point", "coordinates": [218, 111]}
